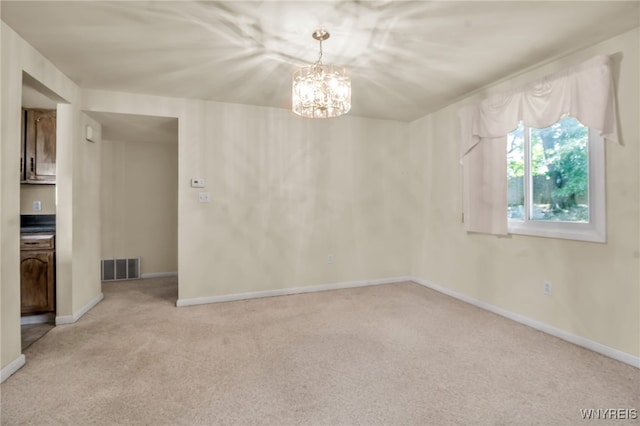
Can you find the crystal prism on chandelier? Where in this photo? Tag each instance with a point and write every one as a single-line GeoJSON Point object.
{"type": "Point", "coordinates": [321, 91]}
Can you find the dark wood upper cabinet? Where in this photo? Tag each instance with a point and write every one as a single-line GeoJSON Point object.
{"type": "Point", "coordinates": [39, 160]}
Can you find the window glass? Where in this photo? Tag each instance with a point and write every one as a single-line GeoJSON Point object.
{"type": "Point", "coordinates": [560, 172]}
{"type": "Point", "coordinates": [515, 174]}
{"type": "Point", "coordinates": [548, 173]}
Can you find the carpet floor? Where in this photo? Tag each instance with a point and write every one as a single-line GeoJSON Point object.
{"type": "Point", "coordinates": [31, 333]}
{"type": "Point", "coordinates": [396, 354]}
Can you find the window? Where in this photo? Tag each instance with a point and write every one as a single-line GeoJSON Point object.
{"type": "Point", "coordinates": [555, 181]}
{"type": "Point", "coordinates": [548, 197]}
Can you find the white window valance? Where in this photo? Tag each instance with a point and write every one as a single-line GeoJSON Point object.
{"type": "Point", "coordinates": [584, 91]}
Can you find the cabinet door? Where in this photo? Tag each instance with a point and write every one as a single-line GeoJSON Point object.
{"type": "Point", "coordinates": [36, 282]}
{"type": "Point", "coordinates": [41, 146]}
{"type": "Point", "coordinates": [23, 167]}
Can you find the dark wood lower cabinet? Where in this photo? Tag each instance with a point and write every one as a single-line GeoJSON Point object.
{"type": "Point", "coordinates": [37, 276]}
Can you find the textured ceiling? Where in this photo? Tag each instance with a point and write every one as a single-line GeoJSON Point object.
{"type": "Point", "coordinates": [407, 58]}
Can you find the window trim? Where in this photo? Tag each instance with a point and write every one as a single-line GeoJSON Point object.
{"type": "Point", "coordinates": [595, 229]}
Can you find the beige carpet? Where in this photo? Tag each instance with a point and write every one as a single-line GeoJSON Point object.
{"type": "Point", "coordinates": [31, 333]}
{"type": "Point", "coordinates": [392, 354]}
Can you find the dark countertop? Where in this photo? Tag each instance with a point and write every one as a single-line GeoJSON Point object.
{"type": "Point", "coordinates": [32, 223]}
{"type": "Point", "coordinates": [36, 229]}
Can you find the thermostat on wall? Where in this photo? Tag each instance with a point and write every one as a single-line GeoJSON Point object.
{"type": "Point", "coordinates": [197, 183]}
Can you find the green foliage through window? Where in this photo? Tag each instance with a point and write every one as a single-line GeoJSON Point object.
{"type": "Point", "coordinates": [559, 167]}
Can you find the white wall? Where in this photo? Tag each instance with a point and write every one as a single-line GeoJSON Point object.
{"type": "Point", "coordinates": [86, 216]}
{"type": "Point", "coordinates": [139, 199]}
{"type": "Point", "coordinates": [286, 192]}
{"type": "Point", "coordinates": [289, 191]}
{"type": "Point", "coordinates": [595, 286]}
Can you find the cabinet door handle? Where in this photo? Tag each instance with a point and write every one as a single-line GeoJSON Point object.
{"type": "Point", "coordinates": [30, 242]}
{"type": "Point", "coordinates": [32, 165]}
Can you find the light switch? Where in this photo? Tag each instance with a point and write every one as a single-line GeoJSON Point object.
{"type": "Point", "coordinates": [37, 206]}
{"type": "Point", "coordinates": [203, 197]}
{"type": "Point", "coordinates": [197, 183]}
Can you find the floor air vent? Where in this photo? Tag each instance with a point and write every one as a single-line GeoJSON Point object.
{"type": "Point", "coordinates": [120, 269]}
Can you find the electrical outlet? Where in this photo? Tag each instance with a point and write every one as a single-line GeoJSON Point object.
{"type": "Point", "coordinates": [547, 288]}
{"type": "Point", "coordinates": [37, 206]}
{"type": "Point", "coordinates": [330, 259]}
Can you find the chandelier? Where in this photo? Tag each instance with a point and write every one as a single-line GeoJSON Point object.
{"type": "Point", "coordinates": [321, 91]}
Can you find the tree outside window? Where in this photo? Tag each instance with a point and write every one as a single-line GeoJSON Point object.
{"type": "Point", "coordinates": [548, 172]}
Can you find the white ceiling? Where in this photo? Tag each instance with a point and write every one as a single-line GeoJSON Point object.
{"type": "Point", "coordinates": [407, 58]}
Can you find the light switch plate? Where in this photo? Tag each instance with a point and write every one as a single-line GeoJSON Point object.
{"type": "Point", "coordinates": [197, 183]}
{"type": "Point", "coordinates": [203, 197]}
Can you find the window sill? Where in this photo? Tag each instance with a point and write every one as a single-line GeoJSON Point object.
{"type": "Point", "coordinates": [561, 230]}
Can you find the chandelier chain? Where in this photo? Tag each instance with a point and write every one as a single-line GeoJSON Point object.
{"type": "Point", "coordinates": [319, 61]}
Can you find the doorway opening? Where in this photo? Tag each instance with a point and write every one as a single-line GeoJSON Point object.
{"type": "Point", "coordinates": [139, 196]}
{"type": "Point", "coordinates": [38, 209]}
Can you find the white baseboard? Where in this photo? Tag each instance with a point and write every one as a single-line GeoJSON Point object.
{"type": "Point", "coordinates": [159, 274]}
{"type": "Point", "coordinates": [545, 328]}
{"type": "Point", "coordinates": [12, 367]}
{"type": "Point", "coordinates": [37, 319]}
{"type": "Point", "coordinates": [70, 319]}
{"type": "Point", "coordinates": [287, 291]}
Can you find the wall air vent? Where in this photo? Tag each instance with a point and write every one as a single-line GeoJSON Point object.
{"type": "Point", "coordinates": [120, 269]}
